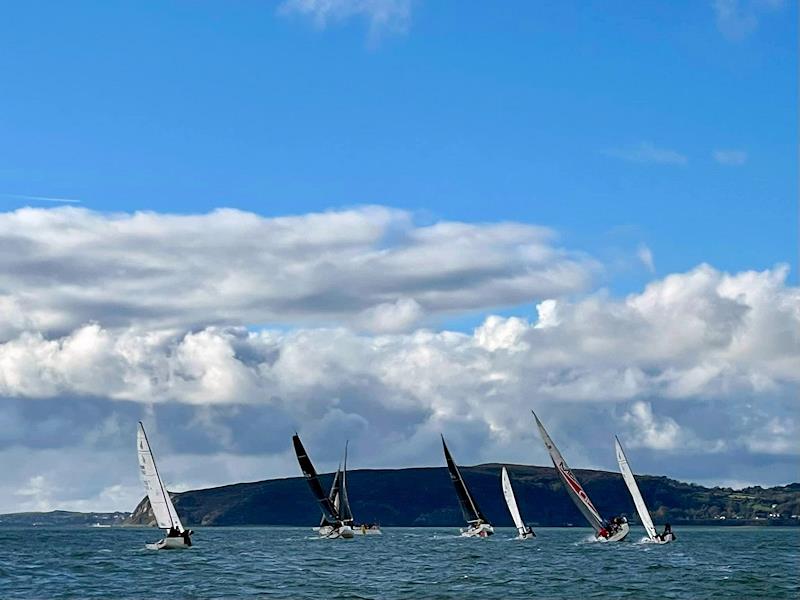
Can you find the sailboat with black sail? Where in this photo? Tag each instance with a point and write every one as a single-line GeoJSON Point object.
{"type": "Point", "coordinates": [333, 526]}
{"type": "Point", "coordinates": [477, 524]}
{"type": "Point", "coordinates": [605, 531]}
{"type": "Point", "coordinates": [641, 508]}
{"type": "Point", "coordinates": [177, 536]}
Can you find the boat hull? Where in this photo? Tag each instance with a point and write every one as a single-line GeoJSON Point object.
{"type": "Point", "coordinates": [619, 535]}
{"type": "Point", "coordinates": [169, 543]}
{"type": "Point", "coordinates": [482, 530]}
{"type": "Point", "coordinates": [333, 533]}
{"type": "Point", "coordinates": [367, 531]}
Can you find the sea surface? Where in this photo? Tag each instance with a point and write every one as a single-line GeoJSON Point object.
{"type": "Point", "coordinates": [277, 562]}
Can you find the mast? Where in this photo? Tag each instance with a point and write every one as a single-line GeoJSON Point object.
{"type": "Point", "coordinates": [633, 488]}
{"type": "Point", "coordinates": [574, 488]}
{"type": "Point", "coordinates": [472, 513]}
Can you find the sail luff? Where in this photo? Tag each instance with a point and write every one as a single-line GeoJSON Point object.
{"type": "Point", "coordinates": [306, 466]}
{"type": "Point", "coordinates": [574, 488]}
{"type": "Point", "coordinates": [511, 501]}
{"type": "Point", "coordinates": [160, 501]}
{"type": "Point", "coordinates": [633, 488]}
{"type": "Point", "coordinates": [472, 513]}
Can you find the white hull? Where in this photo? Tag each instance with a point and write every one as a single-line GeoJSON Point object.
{"type": "Point", "coordinates": [482, 530]}
{"type": "Point", "coordinates": [168, 543]}
{"type": "Point", "coordinates": [332, 533]}
{"type": "Point", "coordinates": [618, 535]}
{"type": "Point", "coordinates": [666, 540]}
{"type": "Point", "coordinates": [526, 536]}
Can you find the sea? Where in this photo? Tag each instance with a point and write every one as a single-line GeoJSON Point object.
{"type": "Point", "coordinates": [283, 562]}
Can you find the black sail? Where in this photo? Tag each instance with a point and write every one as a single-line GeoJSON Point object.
{"type": "Point", "coordinates": [472, 513]}
{"type": "Point", "coordinates": [344, 502]}
{"type": "Point", "coordinates": [326, 506]}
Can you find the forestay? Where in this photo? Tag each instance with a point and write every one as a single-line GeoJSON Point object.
{"type": "Point", "coordinates": [160, 502]}
{"type": "Point", "coordinates": [574, 488]}
{"type": "Point", "coordinates": [508, 492]}
{"type": "Point", "coordinates": [633, 488]}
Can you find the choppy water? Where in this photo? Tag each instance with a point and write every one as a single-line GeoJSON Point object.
{"type": "Point", "coordinates": [403, 563]}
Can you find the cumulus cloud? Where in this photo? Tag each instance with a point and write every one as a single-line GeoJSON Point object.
{"type": "Point", "coordinates": [697, 361]}
{"type": "Point", "coordinates": [648, 153]}
{"type": "Point", "coordinates": [382, 16]}
{"type": "Point", "coordinates": [371, 267]}
{"type": "Point", "coordinates": [730, 158]}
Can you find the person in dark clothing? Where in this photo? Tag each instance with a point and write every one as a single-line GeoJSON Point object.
{"type": "Point", "coordinates": [187, 536]}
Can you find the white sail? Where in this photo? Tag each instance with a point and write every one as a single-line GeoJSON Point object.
{"type": "Point", "coordinates": [508, 492]}
{"type": "Point", "coordinates": [574, 488]}
{"type": "Point", "coordinates": [160, 502]}
{"type": "Point", "coordinates": [630, 481]}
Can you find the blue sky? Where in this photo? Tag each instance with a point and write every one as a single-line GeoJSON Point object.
{"type": "Point", "coordinates": [445, 214]}
{"type": "Point", "coordinates": [532, 113]}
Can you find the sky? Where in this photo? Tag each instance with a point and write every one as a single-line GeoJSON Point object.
{"type": "Point", "coordinates": [379, 220]}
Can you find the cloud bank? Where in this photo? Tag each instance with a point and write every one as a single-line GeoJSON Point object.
{"type": "Point", "coordinates": [104, 325]}
{"type": "Point", "coordinates": [368, 267]}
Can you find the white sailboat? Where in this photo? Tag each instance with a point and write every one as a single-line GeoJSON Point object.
{"type": "Point", "coordinates": [525, 532]}
{"type": "Point", "coordinates": [177, 536]}
{"type": "Point", "coordinates": [605, 531]}
{"type": "Point", "coordinates": [641, 508]}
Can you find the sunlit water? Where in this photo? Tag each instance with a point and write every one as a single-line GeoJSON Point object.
{"type": "Point", "coordinates": [705, 562]}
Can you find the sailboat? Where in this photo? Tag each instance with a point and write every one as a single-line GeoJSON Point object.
{"type": "Point", "coordinates": [332, 526]}
{"type": "Point", "coordinates": [177, 535]}
{"type": "Point", "coordinates": [477, 524]}
{"type": "Point", "coordinates": [605, 531]}
{"type": "Point", "coordinates": [641, 508]}
{"type": "Point", "coordinates": [342, 504]}
{"type": "Point", "coordinates": [525, 532]}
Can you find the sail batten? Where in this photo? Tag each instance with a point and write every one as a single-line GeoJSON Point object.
{"type": "Point", "coordinates": [633, 488]}
{"type": "Point", "coordinates": [574, 488]}
{"type": "Point", "coordinates": [160, 501]}
{"type": "Point", "coordinates": [469, 508]}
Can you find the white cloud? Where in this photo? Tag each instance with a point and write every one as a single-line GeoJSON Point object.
{"type": "Point", "coordinates": [676, 367]}
{"type": "Point", "coordinates": [382, 16]}
{"type": "Point", "coordinates": [367, 267]}
{"type": "Point", "coordinates": [648, 153]}
{"type": "Point", "coordinates": [731, 158]}
{"type": "Point", "coordinates": [646, 257]}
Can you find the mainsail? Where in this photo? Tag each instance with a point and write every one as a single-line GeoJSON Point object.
{"type": "Point", "coordinates": [325, 504]}
{"type": "Point", "coordinates": [508, 492]}
{"type": "Point", "coordinates": [633, 488]}
{"type": "Point", "coordinates": [574, 488]}
{"type": "Point", "coordinates": [345, 513]}
{"type": "Point", "coordinates": [160, 502]}
{"type": "Point", "coordinates": [472, 513]}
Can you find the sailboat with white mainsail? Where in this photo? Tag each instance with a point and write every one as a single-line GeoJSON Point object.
{"type": "Point", "coordinates": [525, 532]}
{"type": "Point", "coordinates": [641, 508]}
{"type": "Point", "coordinates": [177, 535]}
{"type": "Point", "coordinates": [342, 504]}
{"type": "Point", "coordinates": [477, 524]}
{"type": "Point", "coordinates": [605, 531]}
{"type": "Point", "coordinates": [333, 524]}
